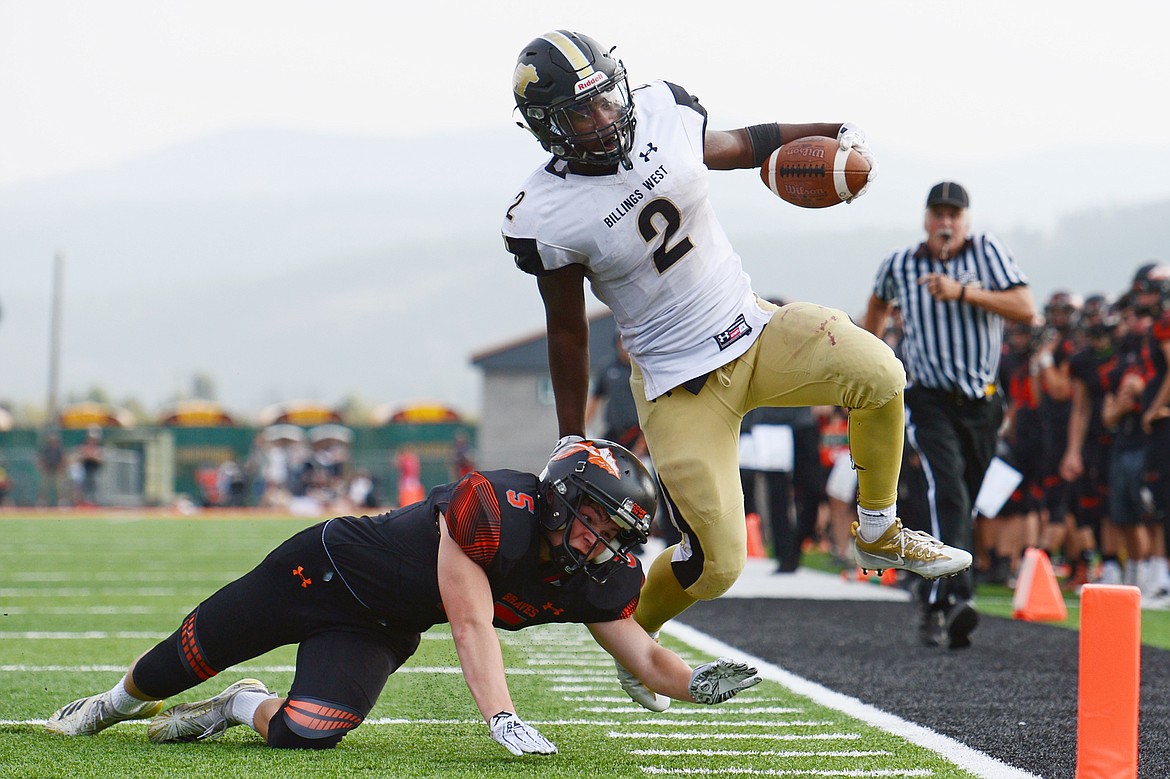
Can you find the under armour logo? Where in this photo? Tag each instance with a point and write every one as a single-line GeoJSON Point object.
{"type": "Point", "coordinates": [550, 607]}
{"type": "Point", "coordinates": [300, 571]}
{"type": "Point", "coordinates": [650, 149]}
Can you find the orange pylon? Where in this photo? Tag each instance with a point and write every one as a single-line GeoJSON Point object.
{"type": "Point", "coordinates": [755, 539]}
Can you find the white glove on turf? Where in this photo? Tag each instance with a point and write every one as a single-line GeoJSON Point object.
{"type": "Point", "coordinates": [851, 137]}
{"type": "Point", "coordinates": [640, 693]}
{"type": "Point", "coordinates": [720, 680]}
{"type": "Point", "coordinates": [518, 737]}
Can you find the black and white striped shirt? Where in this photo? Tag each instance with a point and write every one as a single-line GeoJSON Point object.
{"type": "Point", "coordinates": [948, 345]}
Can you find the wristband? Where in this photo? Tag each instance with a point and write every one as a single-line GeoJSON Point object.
{"type": "Point", "coordinates": [765, 139]}
{"type": "Point", "coordinates": [962, 292]}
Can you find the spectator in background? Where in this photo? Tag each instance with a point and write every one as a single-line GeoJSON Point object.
{"type": "Point", "coordinates": [90, 457]}
{"type": "Point", "coordinates": [1022, 448]}
{"type": "Point", "coordinates": [230, 484]}
{"type": "Point", "coordinates": [5, 483]}
{"type": "Point", "coordinates": [463, 455]}
{"type": "Point", "coordinates": [954, 288]}
{"type": "Point", "coordinates": [839, 480]}
{"type": "Point", "coordinates": [1090, 442]}
{"type": "Point", "coordinates": [51, 466]}
{"type": "Point", "coordinates": [361, 490]}
{"type": "Point", "coordinates": [1055, 384]}
{"type": "Point", "coordinates": [786, 443]}
{"type": "Point", "coordinates": [274, 472]}
{"type": "Point", "coordinates": [410, 487]}
{"type": "Point", "coordinates": [1135, 408]}
{"type": "Point", "coordinates": [1152, 296]}
{"type": "Point", "coordinates": [254, 468]}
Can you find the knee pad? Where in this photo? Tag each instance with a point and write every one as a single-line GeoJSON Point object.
{"type": "Point", "coordinates": [175, 664]}
{"type": "Point", "coordinates": [887, 379]}
{"type": "Point", "coordinates": [311, 723]}
{"type": "Point", "coordinates": [713, 582]}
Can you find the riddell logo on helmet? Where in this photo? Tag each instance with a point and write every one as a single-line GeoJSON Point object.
{"type": "Point", "coordinates": [591, 81]}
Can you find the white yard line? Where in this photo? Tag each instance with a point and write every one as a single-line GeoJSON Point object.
{"type": "Point", "coordinates": [760, 753]}
{"type": "Point", "coordinates": [958, 753]}
{"type": "Point", "coordinates": [850, 772]}
{"type": "Point", "coordinates": [244, 668]}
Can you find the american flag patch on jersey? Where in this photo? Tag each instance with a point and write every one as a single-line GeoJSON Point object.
{"type": "Point", "coordinates": [739, 328]}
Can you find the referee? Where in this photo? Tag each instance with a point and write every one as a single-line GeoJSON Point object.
{"type": "Point", "coordinates": [954, 291]}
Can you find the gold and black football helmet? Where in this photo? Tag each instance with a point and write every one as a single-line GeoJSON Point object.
{"type": "Point", "coordinates": [573, 95]}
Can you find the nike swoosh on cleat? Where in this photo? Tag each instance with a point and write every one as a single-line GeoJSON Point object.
{"type": "Point", "coordinates": [895, 560]}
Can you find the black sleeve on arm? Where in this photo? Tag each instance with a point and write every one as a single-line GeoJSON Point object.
{"type": "Point", "coordinates": [527, 255]}
{"type": "Point", "coordinates": [685, 98]}
{"type": "Point", "coordinates": [765, 139]}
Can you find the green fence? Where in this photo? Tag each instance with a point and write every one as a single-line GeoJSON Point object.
{"type": "Point", "coordinates": [189, 451]}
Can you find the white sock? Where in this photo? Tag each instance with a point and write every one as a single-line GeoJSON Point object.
{"type": "Point", "coordinates": [244, 706]}
{"type": "Point", "coordinates": [873, 522]}
{"type": "Point", "coordinates": [122, 701]}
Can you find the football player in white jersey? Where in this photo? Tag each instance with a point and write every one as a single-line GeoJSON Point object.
{"type": "Point", "coordinates": [623, 203]}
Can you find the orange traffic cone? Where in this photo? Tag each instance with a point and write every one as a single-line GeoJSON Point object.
{"type": "Point", "coordinates": [755, 539]}
{"type": "Point", "coordinates": [1037, 597]}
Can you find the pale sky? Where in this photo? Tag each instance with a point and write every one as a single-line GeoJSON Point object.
{"type": "Point", "coordinates": [90, 84]}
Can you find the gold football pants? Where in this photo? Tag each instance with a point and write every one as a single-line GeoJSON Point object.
{"type": "Point", "coordinates": [807, 355]}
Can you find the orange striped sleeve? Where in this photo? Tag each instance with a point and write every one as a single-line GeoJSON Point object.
{"type": "Point", "coordinates": [473, 515]}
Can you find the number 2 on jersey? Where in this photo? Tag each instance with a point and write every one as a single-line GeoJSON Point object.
{"type": "Point", "coordinates": [666, 253]}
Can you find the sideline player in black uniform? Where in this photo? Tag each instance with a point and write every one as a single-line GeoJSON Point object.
{"type": "Point", "coordinates": [1086, 460]}
{"type": "Point", "coordinates": [1021, 436]}
{"type": "Point", "coordinates": [497, 549]}
{"type": "Point", "coordinates": [1053, 361]}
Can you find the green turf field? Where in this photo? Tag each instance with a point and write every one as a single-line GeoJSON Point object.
{"type": "Point", "coordinates": [79, 599]}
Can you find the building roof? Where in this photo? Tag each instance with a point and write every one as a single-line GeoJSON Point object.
{"type": "Point", "coordinates": [530, 353]}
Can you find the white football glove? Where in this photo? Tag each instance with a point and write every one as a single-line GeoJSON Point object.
{"type": "Point", "coordinates": [640, 693]}
{"type": "Point", "coordinates": [518, 737]}
{"type": "Point", "coordinates": [720, 680]}
{"type": "Point", "coordinates": [851, 137]}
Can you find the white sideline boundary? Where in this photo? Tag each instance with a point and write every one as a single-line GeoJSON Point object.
{"type": "Point", "coordinates": [958, 753]}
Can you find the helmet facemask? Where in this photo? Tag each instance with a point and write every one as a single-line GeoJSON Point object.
{"type": "Point", "coordinates": [596, 128]}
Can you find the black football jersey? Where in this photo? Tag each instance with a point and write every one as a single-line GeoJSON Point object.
{"type": "Point", "coordinates": [389, 561]}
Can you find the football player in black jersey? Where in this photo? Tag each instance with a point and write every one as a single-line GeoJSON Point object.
{"type": "Point", "coordinates": [497, 549]}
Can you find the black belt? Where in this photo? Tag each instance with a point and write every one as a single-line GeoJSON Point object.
{"type": "Point", "coordinates": [956, 398]}
{"type": "Point", "coordinates": [693, 386]}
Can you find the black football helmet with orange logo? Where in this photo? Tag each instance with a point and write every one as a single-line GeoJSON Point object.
{"type": "Point", "coordinates": [614, 480]}
{"type": "Point", "coordinates": [562, 83]}
{"type": "Point", "coordinates": [1150, 290]}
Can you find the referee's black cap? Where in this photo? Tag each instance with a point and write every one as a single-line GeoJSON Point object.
{"type": "Point", "coordinates": [948, 193]}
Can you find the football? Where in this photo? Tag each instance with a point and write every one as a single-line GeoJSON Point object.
{"type": "Point", "coordinates": [814, 172]}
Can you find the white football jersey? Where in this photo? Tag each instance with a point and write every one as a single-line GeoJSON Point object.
{"type": "Point", "coordinates": [650, 243]}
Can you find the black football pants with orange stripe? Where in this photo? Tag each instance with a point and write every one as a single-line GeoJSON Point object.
{"type": "Point", "coordinates": [344, 655]}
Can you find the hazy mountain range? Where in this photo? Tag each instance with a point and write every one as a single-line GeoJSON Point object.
{"type": "Point", "coordinates": [288, 265]}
